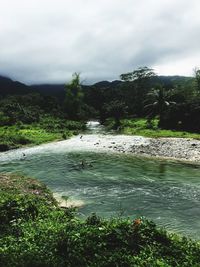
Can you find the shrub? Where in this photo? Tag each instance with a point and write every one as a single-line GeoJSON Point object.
{"type": "Point", "coordinates": [35, 232]}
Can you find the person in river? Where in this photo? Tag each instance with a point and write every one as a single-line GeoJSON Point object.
{"type": "Point", "coordinates": [23, 155]}
{"type": "Point", "coordinates": [85, 164]}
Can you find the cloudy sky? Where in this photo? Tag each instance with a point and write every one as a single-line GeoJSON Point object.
{"type": "Point", "coordinates": [48, 40]}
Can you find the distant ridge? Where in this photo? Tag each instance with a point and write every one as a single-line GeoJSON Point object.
{"type": "Point", "coordinates": [49, 89]}
{"type": "Point", "coordinates": [10, 87]}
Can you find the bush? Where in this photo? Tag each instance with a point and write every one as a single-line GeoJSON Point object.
{"type": "Point", "coordinates": [37, 233]}
{"type": "Point", "coordinates": [4, 147]}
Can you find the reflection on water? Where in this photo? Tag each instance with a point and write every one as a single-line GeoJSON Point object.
{"type": "Point", "coordinates": [167, 192]}
{"type": "Point", "coordinates": [162, 168]}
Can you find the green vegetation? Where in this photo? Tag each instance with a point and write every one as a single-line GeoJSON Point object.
{"type": "Point", "coordinates": [13, 137]}
{"type": "Point", "coordinates": [117, 110]}
{"type": "Point", "coordinates": [35, 118]}
{"type": "Point", "coordinates": [74, 98]}
{"type": "Point", "coordinates": [175, 102]}
{"type": "Point", "coordinates": [147, 128]}
{"type": "Point", "coordinates": [36, 232]}
{"type": "Point", "coordinates": [46, 130]}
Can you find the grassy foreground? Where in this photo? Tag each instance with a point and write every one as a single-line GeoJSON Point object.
{"type": "Point", "coordinates": [143, 128]}
{"type": "Point", "coordinates": [47, 130]}
{"type": "Point", "coordinates": [35, 232]}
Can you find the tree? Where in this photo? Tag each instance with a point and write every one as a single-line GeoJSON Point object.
{"type": "Point", "coordinates": [115, 109]}
{"type": "Point", "coordinates": [140, 74]}
{"type": "Point", "coordinates": [197, 78]}
{"type": "Point", "coordinates": [139, 81]}
{"type": "Point", "coordinates": [158, 100]}
{"type": "Point", "coordinates": [73, 97]}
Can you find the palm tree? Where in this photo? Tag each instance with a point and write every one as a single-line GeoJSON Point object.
{"type": "Point", "coordinates": [158, 100]}
{"type": "Point", "coordinates": [115, 109]}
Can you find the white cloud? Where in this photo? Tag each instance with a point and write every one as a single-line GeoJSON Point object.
{"type": "Point", "coordinates": [48, 40]}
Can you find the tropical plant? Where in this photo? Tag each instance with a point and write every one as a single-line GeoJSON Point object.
{"type": "Point", "coordinates": [74, 97]}
{"type": "Point", "coordinates": [139, 81]}
{"type": "Point", "coordinates": [157, 102]}
{"type": "Point", "coordinates": [197, 79]}
{"type": "Point", "coordinates": [141, 73]}
{"type": "Point", "coordinates": [117, 110]}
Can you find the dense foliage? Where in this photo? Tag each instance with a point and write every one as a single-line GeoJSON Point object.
{"type": "Point", "coordinates": [34, 119]}
{"type": "Point", "coordinates": [147, 128]}
{"type": "Point", "coordinates": [46, 130]}
{"type": "Point", "coordinates": [175, 102]}
{"type": "Point", "coordinates": [36, 232]}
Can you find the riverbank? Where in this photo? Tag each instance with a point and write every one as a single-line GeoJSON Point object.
{"type": "Point", "coordinates": [169, 148]}
{"type": "Point", "coordinates": [49, 129]}
{"type": "Point", "coordinates": [141, 126]}
{"type": "Point", "coordinates": [36, 232]}
{"type": "Point", "coordinates": [187, 150]}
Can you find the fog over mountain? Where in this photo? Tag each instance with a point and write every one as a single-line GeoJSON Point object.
{"type": "Point", "coordinates": [46, 41]}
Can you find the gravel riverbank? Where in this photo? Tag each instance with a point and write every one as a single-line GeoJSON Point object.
{"type": "Point", "coordinates": [170, 148]}
{"type": "Point", "coordinates": [173, 148]}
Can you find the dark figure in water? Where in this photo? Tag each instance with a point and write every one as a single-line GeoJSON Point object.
{"type": "Point", "coordinates": [23, 155]}
{"type": "Point", "coordinates": [84, 164]}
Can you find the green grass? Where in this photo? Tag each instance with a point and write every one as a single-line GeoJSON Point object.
{"type": "Point", "coordinates": [13, 137]}
{"type": "Point", "coordinates": [140, 127]}
{"type": "Point", "coordinates": [38, 135]}
{"type": "Point", "coordinates": [36, 232]}
{"type": "Point", "coordinates": [47, 130]}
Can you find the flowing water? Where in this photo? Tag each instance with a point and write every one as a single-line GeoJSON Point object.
{"type": "Point", "coordinates": [117, 184]}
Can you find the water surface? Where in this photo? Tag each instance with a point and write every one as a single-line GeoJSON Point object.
{"type": "Point", "coordinates": [120, 185]}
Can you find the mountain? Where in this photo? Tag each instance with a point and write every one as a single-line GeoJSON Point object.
{"type": "Point", "coordinates": [10, 87]}
{"type": "Point", "coordinates": [106, 84]}
{"type": "Point", "coordinates": [57, 90]}
{"type": "Point", "coordinates": [169, 81]}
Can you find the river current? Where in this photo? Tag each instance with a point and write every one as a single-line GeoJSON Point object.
{"type": "Point", "coordinates": [113, 185]}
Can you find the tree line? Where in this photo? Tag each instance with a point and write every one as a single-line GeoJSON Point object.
{"type": "Point", "coordinates": [138, 94]}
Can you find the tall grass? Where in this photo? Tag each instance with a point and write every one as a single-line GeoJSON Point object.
{"type": "Point", "coordinates": [48, 129]}
{"type": "Point", "coordinates": [143, 128]}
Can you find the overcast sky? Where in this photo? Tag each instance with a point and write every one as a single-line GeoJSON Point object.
{"type": "Point", "coordinates": [48, 40]}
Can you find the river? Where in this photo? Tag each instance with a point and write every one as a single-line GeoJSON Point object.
{"type": "Point", "coordinates": [113, 184]}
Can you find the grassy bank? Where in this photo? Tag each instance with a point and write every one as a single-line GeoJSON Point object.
{"type": "Point", "coordinates": [47, 130]}
{"type": "Point", "coordinates": [36, 232]}
{"type": "Point", "coordinates": [143, 128]}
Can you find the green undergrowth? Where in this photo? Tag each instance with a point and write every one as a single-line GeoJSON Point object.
{"type": "Point", "coordinates": [35, 232]}
{"type": "Point", "coordinates": [47, 130]}
{"type": "Point", "coordinates": [143, 128]}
